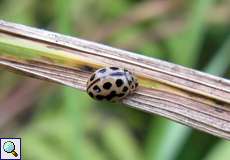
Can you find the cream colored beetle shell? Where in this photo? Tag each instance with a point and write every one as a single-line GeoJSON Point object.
{"type": "Point", "coordinates": [111, 83]}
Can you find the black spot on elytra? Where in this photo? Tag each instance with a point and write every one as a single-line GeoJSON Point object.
{"type": "Point", "coordinates": [96, 89]}
{"type": "Point", "coordinates": [107, 85]}
{"type": "Point", "coordinates": [119, 82]}
{"type": "Point", "coordinates": [129, 82]}
{"type": "Point", "coordinates": [91, 94]}
{"type": "Point", "coordinates": [92, 77]}
{"type": "Point", "coordinates": [125, 89]}
{"type": "Point", "coordinates": [102, 70]}
{"type": "Point", "coordinates": [99, 97]}
{"type": "Point", "coordinates": [111, 95]}
{"type": "Point", "coordinates": [132, 86]}
{"type": "Point", "coordinates": [114, 68]}
{"type": "Point", "coordinates": [93, 83]}
{"type": "Point", "coordinates": [121, 95]}
{"type": "Point", "coordinates": [136, 85]}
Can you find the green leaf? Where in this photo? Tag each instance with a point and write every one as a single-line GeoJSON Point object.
{"type": "Point", "coordinates": [120, 142]}
{"type": "Point", "coordinates": [221, 61]}
{"type": "Point", "coordinates": [185, 46]}
{"type": "Point", "coordinates": [220, 151]}
{"type": "Point", "coordinates": [165, 139]}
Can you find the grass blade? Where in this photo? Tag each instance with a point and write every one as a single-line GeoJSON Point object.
{"type": "Point", "coordinates": [173, 91]}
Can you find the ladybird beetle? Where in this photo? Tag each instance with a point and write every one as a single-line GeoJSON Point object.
{"type": "Point", "coordinates": [111, 83]}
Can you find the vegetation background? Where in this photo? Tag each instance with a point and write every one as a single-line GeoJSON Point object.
{"type": "Point", "coordinates": [61, 123]}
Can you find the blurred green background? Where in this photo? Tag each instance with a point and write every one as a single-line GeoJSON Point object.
{"type": "Point", "coordinates": [61, 123]}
